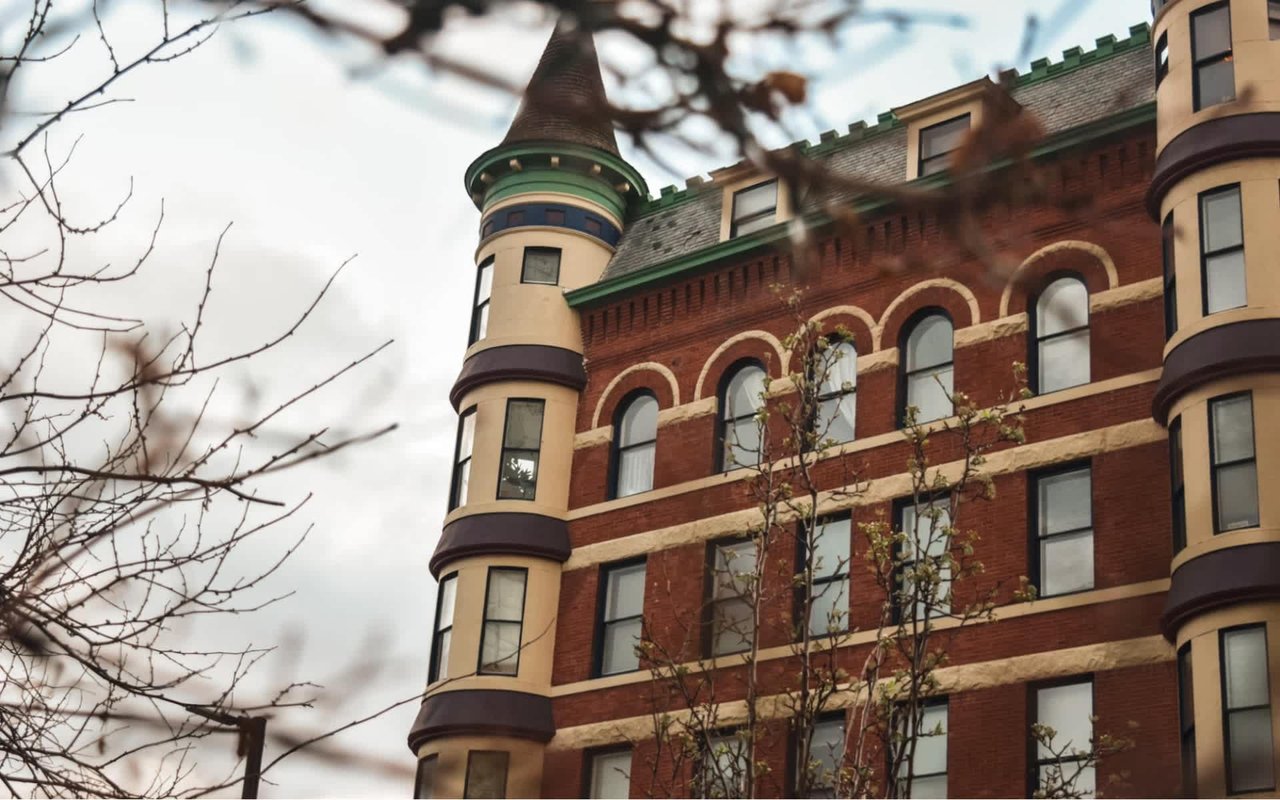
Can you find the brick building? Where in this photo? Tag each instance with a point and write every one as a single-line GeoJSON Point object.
{"type": "Point", "coordinates": [614, 335]}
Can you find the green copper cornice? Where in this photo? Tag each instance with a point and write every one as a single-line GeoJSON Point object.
{"type": "Point", "coordinates": [555, 166]}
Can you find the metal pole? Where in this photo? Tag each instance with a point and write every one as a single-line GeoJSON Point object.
{"type": "Point", "coordinates": [254, 731]}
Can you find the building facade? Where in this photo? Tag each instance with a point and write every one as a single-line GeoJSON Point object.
{"type": "Point", "coordinates": [593, 491]}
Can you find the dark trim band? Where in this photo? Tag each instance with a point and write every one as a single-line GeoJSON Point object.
{"type": "Point", "coordinates": [555, 215]}
{"type": "Point", "coordinates": [508, 534]}
{"type": "Point", "coordinates": [1241, 574]}
{"type": "Point", "coordinates": [1222, 352]}
{"type": "Point", "coordinates": [482, 712]}
{"type": "Point", "coordinates": [519, 362]}
{"type": "Point", "coordinates": [1212, 142]}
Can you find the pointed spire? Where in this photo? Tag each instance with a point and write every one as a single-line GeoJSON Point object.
{"type": "Point", "coordinates": [565, 99]}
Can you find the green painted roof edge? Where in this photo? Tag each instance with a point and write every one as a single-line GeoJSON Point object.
{"type": "Point", "coordinates": [606, 290]}
{"type": "Point", "coordinates": [501, 154]}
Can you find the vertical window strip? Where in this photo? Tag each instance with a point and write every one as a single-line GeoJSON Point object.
{"type": "Point", "coordinates": [1233, 464]}
{"type": "Point", "coordinates": [486, 775]}
{"type": "Point", "coordinates": [480, 306]}
{"type": "Point", "coordinates": [424, 782]}
{"type": "Point", "coordinates": [733, 586]}
{"type": "Point", "coordinates": [610, 775]}
{"type": "Point", "coordinates": [503, 627]}
{"type": "Point", "coordinates": [446, 598]}
{"type": "Point", "coordinates": [1222, 258]}
{"type": "Point", "coordinates": [723, 772]}
{"type": "Point", "coordinates": [927, 539]}
{"type": "Point", "coordinates": [1062, 336]}
{"type": "Point", "coordinates": [635, 437]}
{"type": "Point", "coordinates": [1067, 708]}
{"type": "Point", "coordinates": [928, 369]}
{"type": "Point", "coordinates": [1170, 277]}
{"type": "Point", "coordinates": [1187, 722]}
{"type": "Point", "coordinates": [521, 445]}
{"type": "Point", "coordinates": [1064, 531]}
{"type": "Point", "coordinates": [826, 756]}
{"type": "Point", "coordinates": [828, 562]}
{"type": "Point", "coordinates": [1162, 58]}
{"type": "Point", "coordinates": [1211, 56]}
{"type": "Point", "coordinates": [1178, 492]}
{"type": "Point", "coordinates": [462, 458]}
{"type": "Point", "coordinates": [1246, 709]}
{"type": "Point", "coordinates": [836, 411]}
{"type": "Point", "coordinates": [742, 397]}
{"type": "Point", "coordinates": [621, 618]}
{"type": "Point", "coordinates": [928, 770]}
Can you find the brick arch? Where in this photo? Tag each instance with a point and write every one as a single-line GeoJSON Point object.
{"type": "Point", "coordinates": [760, 345]}
{"type": "Point", "coordinates": [1085, 259]}
{"type": "Point", "coordinates": [650, 375]}
{"type": "Point", "coordinates": [857, 320]}
{"type": "Point", "coordinates": [951, 296]}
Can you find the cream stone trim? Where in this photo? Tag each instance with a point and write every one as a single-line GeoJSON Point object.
{"type": "Point", "coordinates": [880, 359]}
{"type": "Point", "coordinates": [764, 336]}
{"type": "Point", "coordinates": [853, 311]}
{"type": "Point", "coordinates": [1128, 294]}
{"type": "Point", "coordinates": [1017, 459]}
{"type": "Point", "coordinates": [554, 197]}
{"type": "Point", "coordinates": [780, 386]}
{"type": "Point", "coordinates": [1113, 277]}
{"type": "Point", "coordinates": [960, 678]}
{"type": "Point", "coordinates": [593, 437]}
{"type": "Point", "coordinates": [990, 331]}
{"type": "Point", "coordinates": [688, 411]}
{"type": "Point", "coordinates": [652, 366]}
{"type": "Point", "coordinates": [975, 315]}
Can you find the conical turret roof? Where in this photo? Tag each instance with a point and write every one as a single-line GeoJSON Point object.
{"type": "Point", "coordinates": [565, 100]}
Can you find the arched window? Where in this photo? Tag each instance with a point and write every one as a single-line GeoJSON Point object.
{"type": "Point", "coordinates": [635, 434]}
{"type": "Point", "coordinates": [928, 368]}
{"type": "Point", "coordinates": [740, 399]}
{"type": "Point", "coordinates": [1061, 357]}
{"type": "Point", "coordinates": [836, 370]}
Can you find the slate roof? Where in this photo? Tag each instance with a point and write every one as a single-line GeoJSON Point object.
{"type": "Point", "coordinates": [1082, 88]}
{"type": "Point", "coordinates": [565, 99]}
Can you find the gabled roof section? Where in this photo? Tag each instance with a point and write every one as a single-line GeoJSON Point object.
{"type": "Point", "coordinates": [565, 99]}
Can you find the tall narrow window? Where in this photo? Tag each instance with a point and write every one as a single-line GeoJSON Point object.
{"type": "Point", "coordinates": [486, 775]}
{"type": "Point", "coordinates": [621, 618]}
{"type": "Point", "coordinates": [1187, 721]}
{"type": "Point", "coordinates": [424, 783]}
{"type": "Point", "coordinates": [462, 458]}
{"type": "Point", "coordinates": [541, 265]}
{"type": "Point", "coordinates": [733, 584]}
{"type": "Point", "coordinates": [1162, 58]}
{"type": "Point", "coordinates": [503, 621]}
{"type": "Point", "coordinates": [923, 555]}
{"type": "Point", "coordinates": [1235, 470]}
{"type": "Point", "coordinates": [928, 369]}
{"type": "Point", "coordinates": [928, 770]}
{"type": "Point", "coordinates": [1222, 250]}
{"type": "Point", "coordinates": [741, 398]}
{"type": "Point", "coordinates": [829, 563]}
{"type": "Point", "coordinates": [1062, 336]}
{"type": "Point", "coordinates": [1064, 531]}
{"type": "Point", "coordinates": [1246, 708]}
{"type": "Point", "coordinates": [445, 597]}
{"type": "Point", "coordinates": [635, 436]}
{"type": "Point", "coordinates": [724, 768]}
{"type": "Point", "coordinates": [1067, 709]}
{"type": "Point", "coordinates": [826, 756]}
{"type": "Point", "coordinates": [521, 441]}
{"type": "Point", "coordinates": [1170, 278]}
{"type": "Point", "coordinates": [480, 308]}
{"type": "Point", "coordinates": [1215, 75]}
{"type": "Point", "coordinates": [1177, 488]}
{"type": "Point", "coordinates": [937, 142]}
{"type": "Point", "coordinates": [611, 775]}
{"type": "Point", "coordinates": [836, 368]}
{"type": "Point", "coordinates": [754, 209]}
{"type": "Point", "coordinates": [1273, 19]}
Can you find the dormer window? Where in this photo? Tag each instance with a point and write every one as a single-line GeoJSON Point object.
{"type": "Point", "coordinates": [937, 142]}
{"type": "Point", "coordinates": [754, 208]}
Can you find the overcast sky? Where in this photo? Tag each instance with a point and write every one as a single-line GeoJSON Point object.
{"type": "Point", "coordinates": [316, 160]}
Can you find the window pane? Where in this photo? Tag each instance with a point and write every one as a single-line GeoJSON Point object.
{"type": "Point", "coordinates": [611, 775]}
{"type": "Point", "coordinates": [618, 651]}
{"type": "Point", "coordinates": [733, 627]}
{"type": "Point", "coordinates": [506, 595]}
{"type": "Point", "coordinates": [519, 477]}
{"type": "Point", "coordinates": [929, 343]}
{"type": "Point", "coordinates": [735, 566]}
{"type": "Point", "coordinates": [1082, 779]}
{"type": "Point", "coordinates": [943, 138]}
{"type": "Point", "coordinates": [742, 443]}
{"type": "Point", "coordinates": [486, 775]}
{"type": "Point", "coordinates": [1066, 709]}
{"type": "Point", "coordinates": [930, 393]}
{"type": "Point", "coordinates": [1237, 487]}
{"type": "Point", "coordinates": [485, 287]}
{"type": "Point", "coordinates": [524, 425]}
{"type": "Point", "coordinates": [927, 531]}
{"type": "Point", "coordinates": [482, 322]}
{"type": "Point", "coordinates": [839, 368]}
{"type": "Point", "coordinates": [1221, 214]}
{"type": "Point", "coordinates": [635, 469]}
{"type": "Point", "coordinates": [930, 787]}
{"type": "Point", "coordinates": [1066, 501]}
{"type": "Point", "coordinates": [1211, 32]}
{"type": "Point", "coordinates": [826, 748]}
{"type": "Point", "coordinates": [499, 653]}
{"type": "Point", "coordinates": [1251, 755]}
{"type": "Point", "coordinates": [831, 543]}
{"type": "Point", "coordinates": [1066, 563]}
{"type": "Point", "coordinates": [541, 266]}
{"type": "Point", "coordinates": [467, 438]}
{"type": "Point", "coordinates": [1225, 282]}
{"type": "Point", "coordinates": [442, 655]}
{"type": "Point", "coordinates": [743, 397]}
{"type": "Point", "coordinates": [1062, 306]}
{"type": "Point", "coordinates": [1064, 361]}
{"type": "Point", "coordinates": [448, 593]}
{"type": "Point", "coordinates": [755, 200]}
{"type": "Point", "coordinates": [753, 225]}
{"type": "Point", "coordinates": [1186, 708]}
{"type": "Point", "coordinates": [931, 744]}
{"type": "Point", "coordinates": [639, 422]}
{"type": "Point", "coordinates": [424, 788]}
{"type": "Point", "coordinates": [624, 592]}
{"type": "Point", "coordinates": [1232, 420]}
{"type": "Point", "coordinates": [836, 417]}
{"type": "Point", "coordinates": [829, 609]}
{"type": "Point", "coordinates": [1216, 83]}
{"type": "Point", "coordinates": [1244, 653]}
{"type": "Point", "coordinates": [724, 769]}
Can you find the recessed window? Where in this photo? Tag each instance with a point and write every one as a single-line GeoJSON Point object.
{"type": "Point", "coordinates": [1273, 18]}
{"type": "Point", "coordinates": [928, 369]}
{"type": "Point", "coordinates": [937, 142]}
{"type": "Point", "coordinates": [621, 618]}
{"type": "Point", "coordinates": [1170, 278]}
{"type": "Point", "coordinates": [924, 554]}
{"type": "Point", "coordinates": [1064, 531]}
{"type": "Point", "coordinates": [1178, 490]}
{"type": "Point", "coordinates": [829, 563]}
{"type": "Point", "coordinates": [826, 755]}
{"type": "Point", "coordinates": [480, 308]}
{"type": "Point", "coordinates": [1215, 75]}
{"type": "Point", "coordinates": [521, 441]}
{"type": "Point", "coordinates": [462, 458]}
{"type": "Point", "coordinates": [446, 596]}
{"type": "Point", "coordinates": [424, 783]}
{"type": "Point", "coordinates": [1235, 470]}
{"type": "Point", "coordinates": [592, 225]}
{"type": "Point", "coordinates": [741, 398]}
{"type": "Point", "coordinates": [1062, 336]}
{"type": "Point", "coordinates": [486, 775]}
{"type": "Point", "coordinates": [555, 216]}
{"type": "Point", "coordinates": [1187, 721]}
{"type": "Point", "coordinates": [1067, 709]}
{"type": "Point", "coordinates": [1246, 708]}
{"type": "Point", "coordinates": [635, 437]}
{"type": "Point", "coordinates": [733, 585]}
{"type": "Point", "coordinates": [541, 265]}
{"type": "Point", "coordinates": [928, 769]}
{"type": "Point", "coordinates": [723, 771]}
{"type": "Point", "coordinates": [836, 368]}
{"type": "Point", "coordinates": [611, 775]}
{"type": "Point", "coordinates": [1162, 58]}
{"type": "Point", "coordinates": [503, 621]}
{"type": "Point", "coordinates": [1222, 250]}
{"type": "Point", "coordinates": [754, 209]}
